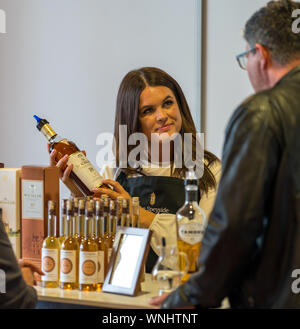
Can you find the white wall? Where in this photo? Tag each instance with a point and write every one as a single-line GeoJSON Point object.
{"type": "Point", "coordinates": [64, 60]}
{"type": "Point", "coordinates": [225, 84]}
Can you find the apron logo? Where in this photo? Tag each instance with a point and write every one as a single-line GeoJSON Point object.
{"type": "Point", "coordinates": [152, 199]}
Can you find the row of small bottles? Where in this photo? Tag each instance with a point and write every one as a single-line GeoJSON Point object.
{"type": "Point", "coordinates": [78, 258]}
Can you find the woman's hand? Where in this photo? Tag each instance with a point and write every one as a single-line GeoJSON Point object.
{"type": "Point", "coordinates": [146, 217]}
{"type": "Point", "coordinates": [64, 172]}
{"type": "Point", "coordinates": [118, 190]}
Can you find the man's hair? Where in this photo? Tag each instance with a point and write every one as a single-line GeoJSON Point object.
{"type": "Point", "coordinates": [271, 26]}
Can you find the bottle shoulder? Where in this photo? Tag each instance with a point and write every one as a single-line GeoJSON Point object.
{"type": "Point", "coordinates": [51, 243]}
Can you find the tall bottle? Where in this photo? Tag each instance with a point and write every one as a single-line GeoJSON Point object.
{"type": "Point", "coordinates": [76, 218]}
{"type": "Point", "coordinates": [107, 231]}
{"type": "Point", "coordinates": [136, 212]}
{"type": "Point", "coordinates": [125, 213]}
{"type": "Point", "coordinates": [88, 255]}
{"type": "Point", "coordinates": [81, 220]}
{"type": "Point", "coordinates": [62, 221]}
{"type": "Point", "coordinates": [191, 224]}
{"type": "Point", "coordinates": [69, 254]}
{"type": "Point", "coordinates": [119, 210]}
{"type": "Point", "coordinates": [84, 175]}
{"type": "Point", "coordinates": [50, 251]}
{"type": "Point", "coordinates": [112, 220]}
{"type": "Point", "coordinates": [102, 251]}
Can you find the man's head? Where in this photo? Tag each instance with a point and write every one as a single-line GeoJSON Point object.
{"type": "Point", "coordinates": [277, 47]}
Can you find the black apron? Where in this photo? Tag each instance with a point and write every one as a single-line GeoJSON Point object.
{"type": "Point", "coordinates": [158, 194]}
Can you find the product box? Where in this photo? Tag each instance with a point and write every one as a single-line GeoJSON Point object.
{"type": "Point", "coordinates": [10, 204]}
{"type": "Point", "coordinates": [38, 186]}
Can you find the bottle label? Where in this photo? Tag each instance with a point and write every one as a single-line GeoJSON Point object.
{"type": "Point", "coordinates": [88, 269]}
{"type": "Point", "coordinates": [32, 199]}
{"type": "Point", "coordinates": [68, 266]}
{"type": "Point", "coordinates": [50, 264]}
{"type": "Point", "coordinates": [191, 233]}
{"type": "Point", "coordinates": [84, 170]}
{"type": "Point", "coordinates": [101, 266]}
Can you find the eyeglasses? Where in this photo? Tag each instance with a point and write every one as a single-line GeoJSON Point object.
{"type": "Point", "coordinates": [243, 58]}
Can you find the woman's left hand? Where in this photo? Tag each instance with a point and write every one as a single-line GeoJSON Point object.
{"type": "Point", "coordinates": [113, 194]}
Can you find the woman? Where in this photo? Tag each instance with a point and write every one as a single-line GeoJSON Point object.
{"type": "Point", "coordinates": [151, 102]}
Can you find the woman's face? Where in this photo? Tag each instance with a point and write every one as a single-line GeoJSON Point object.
{"type": "Point", "coordinates": [159, 112]}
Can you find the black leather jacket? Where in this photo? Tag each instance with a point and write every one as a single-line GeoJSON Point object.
{"type": "Point", "coordinates": [252, 243]}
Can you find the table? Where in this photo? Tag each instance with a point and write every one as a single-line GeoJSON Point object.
{"type": "Point", "coordinates": [100, 299]}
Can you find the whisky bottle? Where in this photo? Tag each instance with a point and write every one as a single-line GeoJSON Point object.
{"type": "Point", "coordinates": [119, 210]}
{"type": "Point", "coordinates": [50, 251]}
{"type": "Point", "coordinates": [88, 255]}
{"type": "Point", "coordinates": [125, 213]}
{"type": "Point", "coordinates": [136, 212]}
{"type": "Point", "coordinates": [84, 175]}
{"type": "Point", "coordinates": [112, 220]}
{"type": "Point", "coordinates": [81, 220]}
{"type": "Point", "coordinates": [106, 224]}
{"type": "Point", "coordinates": [62, 221]}
{"type": "Point", "coordinates": [76, 218]}
{"type": "Point", "coordinates": [102, 251]}
{"type": "Point", "coordinates": [191, 223]}
{"type": "Point", "coordinates": [69, 254]}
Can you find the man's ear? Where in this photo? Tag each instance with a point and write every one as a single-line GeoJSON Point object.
{"type": "Point", "coordinates": [264, 56]}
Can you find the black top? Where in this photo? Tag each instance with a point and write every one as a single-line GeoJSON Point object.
{"type": "Point", "coordinates": [14, 292]}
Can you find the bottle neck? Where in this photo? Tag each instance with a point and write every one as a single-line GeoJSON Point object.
{"type": "Point", "coordinates": [81, 219]}
{"type": "Point", "coordinates": [191, 193]}
{"type": "Point", "coordinates": [88, 225]}
{"type": "Point", "coordinates": [75, 222]}
{"type": "Point", "coordinates": [62, 224]}
{"type": "Point", "coordinates": [51, 225]}
{"type": "Point", "coordinates": [69, 226]}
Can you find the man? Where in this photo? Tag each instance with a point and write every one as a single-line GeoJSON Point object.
{"type": "Point", "coordinates": [16, 279]}
{"type": "Point", "coordinates": [252, 243]}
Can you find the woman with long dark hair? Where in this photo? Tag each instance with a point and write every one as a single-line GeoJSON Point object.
{"type": "Point", "coordinates": [151, 102]}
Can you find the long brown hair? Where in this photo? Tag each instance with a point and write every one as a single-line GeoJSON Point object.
{"type": "Point", "coordinates": [127, 113]}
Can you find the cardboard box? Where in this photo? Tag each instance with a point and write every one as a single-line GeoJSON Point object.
{"type": "Point", "coordinates": [10, 204]}
{"type": "Point", "coordinates": [38, 186]}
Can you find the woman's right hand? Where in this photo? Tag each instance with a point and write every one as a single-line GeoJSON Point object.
{"type": "Point", "coordinates": [64, 171]}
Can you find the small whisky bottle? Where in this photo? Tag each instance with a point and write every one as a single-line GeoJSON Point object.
{"type": "Point", "coordinates": [62, 221]}
{"type": "Point", "coordinates": [88, 255]}
{"type": "Point", "coordinates": [69, 254]}
{"type": "Point", "coordinates": [76, 218]}
{"type": "Point", "coordinates": [191, 224]}
{"type": "Point", "coordinates": [50, 251]}
{"type": "Point", "coordinates": [136, 212]}
{"type": "Point", "coordinates": [81, 220]}
{"type": "Point", "coordinates": [112, 222]}
{"type": "Point", "coordinates": [119, 210]}
{"type": "Point", "coordinates": [84, 175]}
{"type": "Point", "coordinates": [107, 231]}
{"type": "Point", "coordinates": [102, 251]}
{"type": "Point", "coordinates": [125, 213]}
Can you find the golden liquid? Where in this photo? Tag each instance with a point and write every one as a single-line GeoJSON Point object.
{"type": "Point", "coordinates": [102, 247]}
{"type": "Point", "coordinates": [192, 252]}
{"type": "Point", "coordinates": [51, 243]}
{"type": "Point", "coordinates": [71, 244]}
{"type": "Point", "coordinates": [88, 244]}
